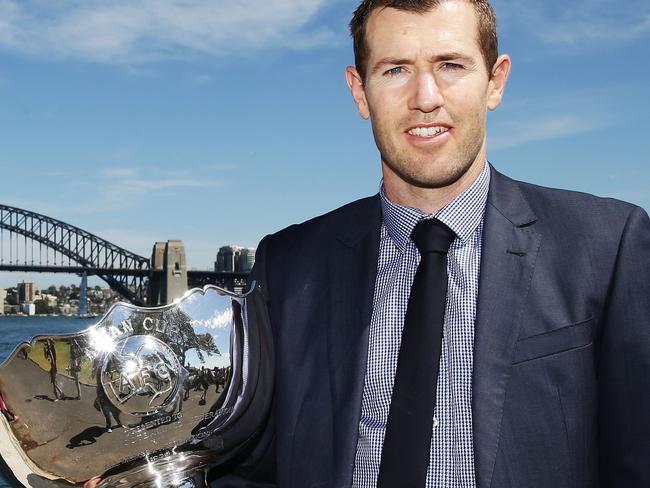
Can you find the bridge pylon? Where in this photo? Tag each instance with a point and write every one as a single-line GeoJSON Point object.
{"type": "Point", "coordinates": [168, 279]}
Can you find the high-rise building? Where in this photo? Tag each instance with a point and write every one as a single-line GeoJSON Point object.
{"type": "Point", "coordinates": [226, 259]}
{"type": "Point", "coordinates": [246, 259]}
{"type": "Point", "coordinates": [234, 258]}
{"type": "Point", "coordinates": [26, 292]}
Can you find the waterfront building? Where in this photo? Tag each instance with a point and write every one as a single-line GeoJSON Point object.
{"type": "Point", "coordinates": [26, 292]}
{"type": "Point", "coordinates": [50, 300]}
{"type": "Point", "coordinates": [3, 296]}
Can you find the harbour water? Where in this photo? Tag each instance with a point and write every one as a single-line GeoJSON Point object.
{"type": "Point", "coordinates": [14, 330]}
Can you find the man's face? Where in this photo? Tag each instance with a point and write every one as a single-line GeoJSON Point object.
{"type": "Point", "coordinates": [427, 92]}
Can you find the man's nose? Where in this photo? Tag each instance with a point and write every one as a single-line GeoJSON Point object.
{"type": "Point", "coordinates": [426, 95]}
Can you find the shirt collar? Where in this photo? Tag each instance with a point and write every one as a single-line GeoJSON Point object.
{"type": "Point", "coordinates": [462, 215]}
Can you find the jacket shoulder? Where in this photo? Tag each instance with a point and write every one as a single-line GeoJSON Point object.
{"type": "Point", "coordinates": [567, 219]}
{"type": "Point", "coordinates": [549, 202]}
{"type": "Point", "coordinates": [342, 222]}
{"type": "Point", "coordinates": [300, 248]}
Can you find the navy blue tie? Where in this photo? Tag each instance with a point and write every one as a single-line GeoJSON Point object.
{"type": "Point", "coordinates": [407, 444]}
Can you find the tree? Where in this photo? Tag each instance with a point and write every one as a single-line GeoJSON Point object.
{"type": "Point", "coordinates": [63, 292]}
{"type": "Point", "coordinates": [204, 342]}
{"type": "Point", "coordinates": [174, 328]}
{"type": "Point", "coordinates": [41, 307]}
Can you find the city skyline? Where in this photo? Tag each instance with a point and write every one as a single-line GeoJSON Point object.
{"type": "Point", "coordinates": [157, 121]}
{"type": "Point", "coordinates": [241, 258]}
{"type": "Point", "coordinates": [27, 298]}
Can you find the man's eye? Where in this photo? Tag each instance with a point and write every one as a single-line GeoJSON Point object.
{"type": "Point", "coordinates": [452, 66]}
{"type": "Point", "coordinates": [398, 70]}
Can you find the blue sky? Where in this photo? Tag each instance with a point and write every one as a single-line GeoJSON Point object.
{"type": "Point", "coordinates": [219, 122]}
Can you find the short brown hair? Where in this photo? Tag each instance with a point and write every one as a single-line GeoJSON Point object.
{"type": "Point", "coordinates": [487, 27]}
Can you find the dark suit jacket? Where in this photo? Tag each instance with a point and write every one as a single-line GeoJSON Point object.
{"type": "Point", "coordinates": [561, 386]}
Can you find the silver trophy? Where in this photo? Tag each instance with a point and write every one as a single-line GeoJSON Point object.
{"type": "Point", "coordinates": [147, 397]}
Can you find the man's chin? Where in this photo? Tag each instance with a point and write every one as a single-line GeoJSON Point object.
{"type": "Point", "coordinates": [429, 173]}
{"type": "Point", "coordinates": [432, 184]}
{"type": "Point", "coordinates": [434, 181]}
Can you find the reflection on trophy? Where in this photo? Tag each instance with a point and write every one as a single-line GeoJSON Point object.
{"type": "Point", "coordinates": [146, 397]}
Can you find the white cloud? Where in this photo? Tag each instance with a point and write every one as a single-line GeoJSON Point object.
{"type": "Point", "coordinates": [577, 22]}
{"type": "Point", "coordinates": [116, 189]}
{"type": "Point", "coordinates": [220, 321]}
{"type": "Point", "coordinates": [554, 116]}
{"type": "Point", "coordinates": [121, 187]}
{"type": "Point", "coordinates": [201, 79]}
{"type": "Point", "coordinates": [112, 189]}
{"type": "Point", "coordinates": [119, 172]}
{"type": "Point", "coordinates": [223, 167]}
{"type": "Point", "coordinates": [521, 132]}
{"type": "Point", "coordinates": [137, 31]}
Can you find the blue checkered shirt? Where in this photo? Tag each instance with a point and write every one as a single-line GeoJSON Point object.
{"type": "Point", "coordinates": [451, 459]}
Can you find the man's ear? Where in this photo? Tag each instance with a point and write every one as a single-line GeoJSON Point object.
{"type": "Point", "coordinates": [498, 80]}
{"type": "Point", "coordinates": [355, 83]}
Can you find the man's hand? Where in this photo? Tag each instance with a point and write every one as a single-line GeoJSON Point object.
{"type": "Point", "coordinates": [92, 482]}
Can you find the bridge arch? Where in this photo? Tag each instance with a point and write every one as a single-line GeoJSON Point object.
{"type": "Point", "coordinates": [124, 271]}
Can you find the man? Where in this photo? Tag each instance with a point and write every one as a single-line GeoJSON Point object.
{"type": "Point", "coordinates": [49, 351]}
{"type": "Point", "coordinates": [542, 368]}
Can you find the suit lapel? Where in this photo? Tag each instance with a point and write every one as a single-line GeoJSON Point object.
{"type": "Point", "coordinates": [509, 252]}
{"type": "Point", "coordinates": [353, 269]}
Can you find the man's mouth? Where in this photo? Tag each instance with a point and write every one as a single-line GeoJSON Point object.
{"type": "Point", "coordinates": [428, 131]}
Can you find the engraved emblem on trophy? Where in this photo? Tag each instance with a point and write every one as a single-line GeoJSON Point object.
{"type": "Point", "coordinates": [146, 397]}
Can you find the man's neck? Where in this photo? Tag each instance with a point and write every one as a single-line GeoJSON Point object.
{"type": "Point", "coordinates": [428, 200]}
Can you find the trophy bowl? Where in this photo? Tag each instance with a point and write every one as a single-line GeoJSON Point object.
{"type": "Point", "coordinates": [146, 397]}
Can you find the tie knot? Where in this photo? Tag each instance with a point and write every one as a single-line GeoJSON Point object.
{"type": "Point", "coordinates": [431, 235]}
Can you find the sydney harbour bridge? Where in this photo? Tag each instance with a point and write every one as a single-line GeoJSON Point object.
{"type": "Point", "coordinates": [31, 242]}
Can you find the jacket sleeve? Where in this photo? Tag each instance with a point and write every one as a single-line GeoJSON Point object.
{"type": "Point", "coordinates": [256, 468]}
{"type": "Point", "coordinates": [624, 363]}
